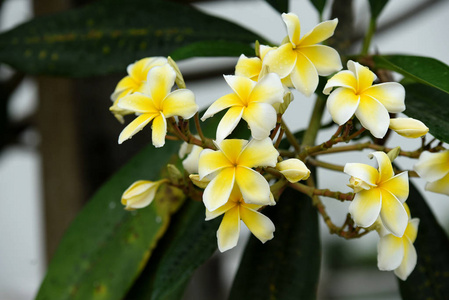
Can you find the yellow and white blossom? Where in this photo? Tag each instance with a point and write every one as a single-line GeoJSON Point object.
{"type": "Point", "coordinates": [293, 169]}
{"type": "Point", "coordinates": [398, 253]}
{"type": "Point", "coordinates": [237, 209]}
{"type": "Point", "coordinates": [434, 168]}
{"type": "Point", "coordinates": [156, 103]}
{"type": "Point", "coordinates": [249, 67]}
{"type": "Point", "coordinates": [134, 82]}
{"type": "Point", "coordinates": [301, 59]}
{"type": "Point", "coordinates": [253, 101]}
{"type": "Point", "coordinates": [378, 193]}
{"type": "Point", "coordinates": [232, 165]}
{"type": "Point", "coordinates": [141, 193]}
{"type": "Point", "coordinates": [357, 95]}
{"type": "Point", "coordinates": [408, 127]}
{"type": "Point", "coordinates": [190, 163]}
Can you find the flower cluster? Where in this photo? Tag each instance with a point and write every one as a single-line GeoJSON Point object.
{"type": "Point", "coordinates": [238, 178]}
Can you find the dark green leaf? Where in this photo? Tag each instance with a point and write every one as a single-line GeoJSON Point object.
{"type": "Point", "coordinates": [106, 36]}
{"type": "Point", "coordinates": [430, 278]}
{"type": "Point", "coordinates": [376, 7]}
{"type": "Point", "coordinates": [189, 242]}
{"type": "Point", "coordinates": [286, 267]}
{"type": "Point", "coordinates": [421, 69]}
{"type": "Point", "coordinates": [430, 106]}
{"type": "Point", "coordinates": [280, 5]}
{"type": "Point", "coordinates": [106, 247]}
{"type": "Point", "coordinates": [319, 5]}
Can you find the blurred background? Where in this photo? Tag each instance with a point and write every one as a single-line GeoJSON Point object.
{"type": "Point", "coordinates": [61, 144]}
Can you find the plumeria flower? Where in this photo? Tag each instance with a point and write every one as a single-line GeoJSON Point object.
{"type": "Point", "coordinates": [378, 192]}
{"type": "Point", "coordinates": [253, 101]}
{"type": "Point", "coordinates": [357, 95]}
{"type": "Point", "coordinates": [249, 67]}
{"type": "Point", "coordinates": [156, 103]}
{"type": "Point", "coordinates": [434, 167]}
{"type": "Point", "coordinates": [398, 253]}
{"type": "Point", "coordinates": [134, 82]}
{"type": "Point", "coordinates": [293, 169]}
{"type": "Point", "coordinates": [408, 127]}
{"type": "Point", "coordinates": [190, 163]}
{"type": "Point", "coordinates": [301, 59]}
{"type": "Point", "coordinates": [237, 209]}
{"type": "Point", "coordinates": [232, 165]}
{"type": "Point", "coordinates": [141, 193]}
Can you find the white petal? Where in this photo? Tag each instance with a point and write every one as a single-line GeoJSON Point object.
{"type": "Point", "coordinates": [433, 166]}
{"type": "Point", "coordinates": [219, 189]}
{"type": "Point", "coordinates": [390, 94]}
{"type": "Point", "coordinates": [259, 225]}
{"type": "Point", "coordinates": [409, 261]}
{"type": "Point", "coordinates": [365, 207]}
{"type": "Point", "coordinates": [254, 187]}
{"type": "Point", "coordinates": [325, 59]}
{"type": "Point", "coordinates": [362, 171]}
{"type": "Point", "coordinates": [293, 27]}
{"type": "Point", "coordinates": [373, 116]}
{"type": "Point", "coordinates": [440, 186]}
{"type": "Point", "coordinates": [229, 230]}
{"type": "Point", "coordinates": [229, 121]}
{"type": "Point", "coordinates": [268, 90]}
{"type": "Point", "coordinates": [393, 214]}
{"type": "Point", "coordinates": [304, 75]}
{"type": "Point", "coordinates": [342, 104]}
{"type": "Point", "coordinates": [293, 169]}
{"type": "Point", "coordinates": [261, 118]}
{"type": "Point", "coordinates": [390, 252]}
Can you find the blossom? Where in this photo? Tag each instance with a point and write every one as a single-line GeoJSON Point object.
{"type": "Point", "coordinates": [293, 169]}
{"type": "Point", "coordinates": [190, 163]}
{"type": "Point", "coordinates": [378, 192]}
{"type": "Point", "coordinates": [408, 127]}
{"type": "Point", "coordinates": [357, 95]}
{"type": "Point", "coordinates": [156, 103]}
{"type": "Point", "coordinates": [141, 193]}
{"type": "Point", "coordinates": [398, 253]}
{"type": "Point", "coordinates": [232, 164]}
{"type": "Point", "coordinates": [134, 82]}
{"type": "Point", "coordinates": [249, 67]}
{"type": "Point", "coordinates": [434, 167]}
{"type": "Point", "coordinates": [301, 58]}
{"type": "Point", "coordinates": [252, 101]}
{"type": "Point", "coordinates": [237, 209]}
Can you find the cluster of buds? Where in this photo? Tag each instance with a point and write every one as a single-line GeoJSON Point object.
{"type": "Point", "coordinates": [237, 178]}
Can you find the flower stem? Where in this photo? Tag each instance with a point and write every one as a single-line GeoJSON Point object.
{"type": "Point", "coordinates": [368, 36]}
{"type": "Point", "coordinates": [290, 137]}
{"type": "Point", "coordinates": [325, 165]}
{"type": "Point", "coordinates": [315, 121]}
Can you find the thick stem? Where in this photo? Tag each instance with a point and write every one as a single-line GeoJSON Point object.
{"type": "Point", "coordinates": [315, 121]}
{"type": "Point", "coordinates": [368, 37]}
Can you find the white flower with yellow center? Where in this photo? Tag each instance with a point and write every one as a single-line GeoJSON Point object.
{"type": "Point", "coordinates": [237, 209]}
{"type": "Point", "coordinates": [357, 95]}
{"type": "Point", "coordinates": [378, 193]}
{"type": "Point", "coordinates": [253, 101]}
{"type": "Point", "coordinates": [141, 193]}
{"type": "Point", "coordinates": [232, 165]}
{"type": "Point", "coordinates": [301, 59]}
{"type": "Point", "coordinates": [155, 103]}
{"type": "Point", "coordinates": [434, 167]}
{"type": "Point", "coordinates": [398, 253]}
{"type": "Point", "coordinates": [134, 82]}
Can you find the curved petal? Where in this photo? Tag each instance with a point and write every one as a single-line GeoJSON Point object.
{"type": "Point", "coordinates": [408, 262]}
{"type": "Point", "coordinates": [408, 127]}
{"type": "Point", "coordinates": [229, 230]}
{"type": "Point", "coordinates": [159, 131]}
{"type": "Point", "coordinates": [390, 252]}
{"type": "Point", "coordinates": [139, 70]}
{"type": "Point", "coordinates": [222, 103]}
{"type": "Point", "coordinates": [362, 171]}
{"type": "Point", "coordinates": [365, 77]}
{"type": "Point", "coordinates": [261, 118]}
{"type": "Point", "coordinates": [393, 214]}
{"type": "Point", "coordinates": [232, 148]}
{"type": "Point", "coordinates": [384, 165]}
{"type": "Point", "coordinates": [398, 186]}
{"type": "Point", "coordinates": [281, 60]}
{"type": "Point", "coordinates": [180, 103]}
{"type": "Point", "coordinates": [211, 161]}
{"type": "Point", "coordinates": [373, 116]}
{"type": "Point", "coordinates": [365, 207]}
{"type": "Point", "coordinates": [412, 229]}
{"type": "Point", "coordinates": [242, 86]}
{"type": "Point", "coordinates": [125, 86]}
{"type": "Point", "coordinates": [325, 59]}
{"type": "Point", "coordinates": [139, 103]}
{"type": "Point", "coordinates": [259, 153]}
{"type": "Point", "coordinates": [342, 104]}
{"type": "Point", "coordinates": [135, 126]}
{"type": "Point", "coordinates": [254, 187]}
{"type": "Point", "coordinates": [390, 94]}
{"type": "Point", "coordinates": [218, 190]}
{"type": "Point", "coordinates": [304, 75]}
{"type": "Point", "coordinates": [219, 211]}
{"type": "Point", "coordinates": [268, 90]}
{"type": "Point", "coordinates": [319, 33]}
{"type": "Point", "coordinates": [264, 49]}
{"type": "Point", "coordinates": [248, 67]}
{"type": "Point", "coordinates": [259, 225]}
{"type": "Point", "coordinates": [433, 166]}
{"type": "Point", "coordinates": [160, 81]}
{"type": "Point", "coordinates": [344, 79]}
{"type": "Point", "coordinates": [440, 186]}
{"type": "Point", "coordinates": [293, 27]}
{"type": "Point", "coordinates": [229, 121]}
{"type": "Point", "coordinates": [293, 169]}
{"type": "Point", "coordinates": [190, 164]}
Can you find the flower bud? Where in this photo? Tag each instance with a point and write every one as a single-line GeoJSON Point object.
{"type": "Point", "coordinates": [293, 169]}
{"type": "Point", "coordinates": [408, 127]}
{"type": "Point", "coordinates": [140, 194]}
{"type": "Point", "coordinates": [202, 184]}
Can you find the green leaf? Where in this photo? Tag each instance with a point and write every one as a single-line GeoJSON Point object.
{"type": "Point", "coordinates": [430, 278]}
{"type": "Point", "coordinates": [421, 69]}
{"type": "Point", "coordinates": [376, 7]}
{"type": "Point", "coordinates": [106, 247]}
{"type": "Point", "coordinates": [280, 5]}
{"type": "Point", "coordinates": [188, 243]}
{"type": "Point", "coordinates": [286, 267]}
{"type": "Point", "coordinates": [319, 5]}
{"type": "Point", "coordinates": [430, 106]}
{"type": "Point", "coordinates": [108, 35]}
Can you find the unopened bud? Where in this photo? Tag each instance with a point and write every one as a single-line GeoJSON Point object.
{"type": "Point", "coordinates": [408, 127]}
